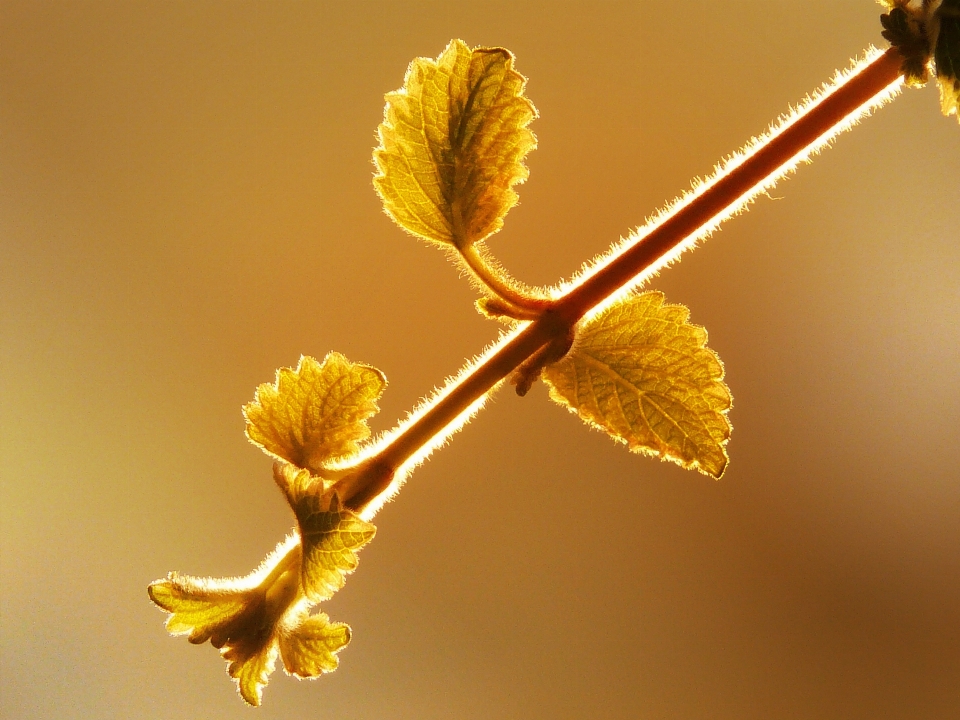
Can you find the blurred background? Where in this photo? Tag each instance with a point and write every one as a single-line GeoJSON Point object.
{"type": "Point", "coordinates": [186, 205]}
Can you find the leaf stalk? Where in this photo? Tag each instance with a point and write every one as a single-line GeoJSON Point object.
{"type": "Point", "coordinates": [519, 306]}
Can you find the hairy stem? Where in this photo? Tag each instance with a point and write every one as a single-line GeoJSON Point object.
{"type": "Point", "coordinates": [365, 487]}
{"type": "Point", "coordinates": [524, 304]}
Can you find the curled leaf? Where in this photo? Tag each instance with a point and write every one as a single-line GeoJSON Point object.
{"type": "Point", "coordinates": [316, 412]}
{"type": "Point", "coordinates": [197, 607]}
{"type": "Point", "coordinates": [255, 619]}
{"type": "Point", "coordinates": [308, 413]}
{"type": "Point", "coordinates": [251, 665]}
{"type": "Point", "coordinates": [452, 145]}
{"type": "Point", "coordinates": [330, 534]}
{"type": "Point", "coordinates": [241, 617]}
{"type": "Point", "coordinates": [311, 648]}
{"type": "Point", "coordinates": [640, 372]}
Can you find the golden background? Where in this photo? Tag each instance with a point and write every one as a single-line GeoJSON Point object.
{"type": "Point", "coordinates": [186, 205]}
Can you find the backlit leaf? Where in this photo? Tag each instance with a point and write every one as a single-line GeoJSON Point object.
{"type": "Point", "coordinates": [311, 648]}
{"type": "Point", "coordinates": [316, 412]}
{"type": "Point", "coordinates": [251, 666]}
{"type": "Point", "coordinates": [452, 145]}
{"type": "Point", "coordinates": [641, 373]}
{"type": "Point", "coordinates": [197, 607]}
{"type": "Point", "coordinates": [330, 534]}
{"type": "Point", "coordinates": [947, 57]}
{"type": "Point", "coordinates": [241, 617]}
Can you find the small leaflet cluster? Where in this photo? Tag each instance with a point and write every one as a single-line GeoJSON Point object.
{"type": "Point", "coordinates": [927, 30]}
{"type": "Point", "coordinates": [311, 415]}
{"type": "Point", "coordinates": [451, 147]}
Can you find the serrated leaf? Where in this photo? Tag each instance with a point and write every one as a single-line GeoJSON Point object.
{"type": "Point", "coordinates": [251, 667]}
{"type": "Point", "coordinates": [452, 145]}
{"type": "Point", "coordinates": [330, 534]}
{"type": "Point", "coordinates": [311, 649]}
{"type": "Point", "coordinates": [642, 373]}
{"type": "Point", "coordinates": [239, 616]}
{"type": "Point", "coordinates": [251, 621]}
{"type": "Point", "coordinates": [947, 57]}
{"type": "Point", "coordinates": [316, 412]}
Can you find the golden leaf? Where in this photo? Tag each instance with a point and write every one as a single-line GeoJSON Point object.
{"type": "Point", "coordinates": [251, 667]}
{"type": "Point", "coordinates": [253, 619]}
{"type": "Point", "coordinates": [452, 145]}
{"type": "Point", "coordinates": [949, 96]}
{"type": "Point", "coordinates": [197, 607]}
{"type": "Point", "coordinates": [330, 534]}
{"type": "Point", "coordinates": [641, 373]}
{"type": "Point", "coordinates": [242, 617]}
{"type": "Point", "coordinates": [947, 56]}
{"type": "Point", "coordinates": [311, 648]}
{"type": "Point", "coordinates": [316, 412]}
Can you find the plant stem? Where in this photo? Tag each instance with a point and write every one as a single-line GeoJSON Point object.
{"type": "Point", "coordinates": [366, 486]}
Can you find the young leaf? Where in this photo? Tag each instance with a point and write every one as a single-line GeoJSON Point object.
{"type": "Point", "coordinates": [197, 607]}
{"type": "Point", "coordinates": [311, 648]}
{"type": "Point", "coordinates": [241, 617]}
{"type": "Point", "coordinates": [947, 57]}
{"type": "Point", "coordinates": [255, 618]}
{"type": "Point", "coordinates": [452, 145]}
{"type": "Point", "coordinates": [641, 373]}
{"type": "Point", "coordinates": [330, 534]}
{"type": "Point", "coordinates": [308, 416]}
{"type": "Point", "coordinates": [316, 412]}
{"type": "Point", "coordinates": [251, 665]}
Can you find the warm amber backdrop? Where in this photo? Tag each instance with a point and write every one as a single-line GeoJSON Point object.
{"type": "Point", "coordinates": [185, 205]}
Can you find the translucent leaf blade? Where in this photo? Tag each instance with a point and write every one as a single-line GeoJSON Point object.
{"type": "Point", "coordinates": [452, 145]}
{"type": "Point", "coordinates": [196, 607]}
{"type": "Point", "coordinates": [316, 412]}
{"type": "Point", "coordinates": [311, 649]}
{"type": "Point", "coordinates": [239, 622]}
{"type": "Point", "coordinates": [241, 617]}
{"type": "Point", "coordinates": [251, 667]}
{"type": "Point", "coordinates": [642, 374]}
{"type": "Point", "coordinates": [947, 56]}
{"type": "Point", "coordinates": [330, 535]}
